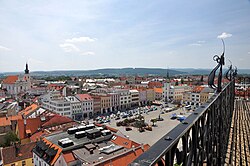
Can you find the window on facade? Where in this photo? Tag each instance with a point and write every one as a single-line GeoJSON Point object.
{"type": "Point", "coordinates": [23, 163]}
{"type": "Point", "coordinates": [12, 164]}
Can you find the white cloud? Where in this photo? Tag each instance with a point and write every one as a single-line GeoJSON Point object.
{"type": "Point", "coordinates": [2, 48]}
{"type": "Point", "coordinates": [88, 53]}
{"type": "Point", "coordinates": [68, 47]}
{"type": "Point", "coordinates": [195, 44]}
{"type": "Point", "coordinates": [224, 35]}
{"type": "Point", "coordinates": [83, 39]}
{"type": "Point", "coordinates": [201, 41]}
{"type": "Point", "coordinates": [249, 52]}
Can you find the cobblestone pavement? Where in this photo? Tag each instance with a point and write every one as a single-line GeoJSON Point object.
{"type": "Point", "coordinates": [150, 137]}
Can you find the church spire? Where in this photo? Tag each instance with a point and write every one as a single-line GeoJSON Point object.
{"type": "Point", "coordinates": [26, 69]}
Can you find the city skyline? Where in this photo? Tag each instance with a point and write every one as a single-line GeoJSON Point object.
{"type": "Point", "coordinates": [87, 35]}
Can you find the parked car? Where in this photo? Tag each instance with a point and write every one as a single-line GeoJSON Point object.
{"type": "Point", "coordinates": [117, 118]}
{"type": "Point", "coordinates": [128, 128]}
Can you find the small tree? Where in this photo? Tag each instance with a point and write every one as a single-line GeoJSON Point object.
{"type": "Point", "coordinates": [9, 138]}
{"type": "Point", "coordinates": [182, 81]}
{"type": "Point", "coordinates": [176, 83]}
{"type": "Point", "coordinates": [153, 121]}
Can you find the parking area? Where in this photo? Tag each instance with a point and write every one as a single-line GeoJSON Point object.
{"type": "Point", "coordinates": [149, 137]}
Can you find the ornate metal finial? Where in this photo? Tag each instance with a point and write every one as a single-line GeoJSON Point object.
{"type": "Point", "coordinates": [221, 61]}
{"type": "Point", "coordinates": [235, 71]}
{"type": "Point", "coordinates": [229, 72]}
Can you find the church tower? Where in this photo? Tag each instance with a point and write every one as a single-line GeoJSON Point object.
{"type": "Point", "coordinates": [26, 77]}
{"type": "Point", "coordinates": [26, 69]}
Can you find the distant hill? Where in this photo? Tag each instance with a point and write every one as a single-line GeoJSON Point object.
{"type": "Point", "coordinates": [109, 72]}
{"type": "Point", "coordinates": [124, 71]}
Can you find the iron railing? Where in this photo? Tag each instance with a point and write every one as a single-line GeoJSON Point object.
{"type": "Point", "coordinates": [201, 139]}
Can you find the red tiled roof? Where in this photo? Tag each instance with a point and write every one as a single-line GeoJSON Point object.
{"type": "Point", "coordinates": [155, 84]}
{"type": "Point", "coordinates": [10, 79]}
{"type": "Point", "coordinates": [197, 89]}
{"type": "Point", "coordinates": [7, 121]}
{"type": "Point", "coordinates": [31, 124]}
{"type": "Point", "coordinates": [124, 142]}
{"type": "Point", "coordinates": [38, 135]}
{"type": "Point", "coordinates": [126, 158]}
{"type": "Point", "coordinates": [25, 152]}
{"type": "Point", "coordinates": [57, 120]}
{"type": "Point", "coordinates": [69, 157]}
{"type": "Point", "coordinates": [84, 97]}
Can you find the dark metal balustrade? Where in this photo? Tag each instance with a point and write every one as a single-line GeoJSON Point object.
{"type": "Point", "coordinates": [200, 139]}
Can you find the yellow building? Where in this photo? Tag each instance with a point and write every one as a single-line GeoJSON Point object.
{"type": "Point", "coordinates": [205, 94]}
{"type": "Point", "coordinates": [18, 155]}
{"type": "Point", "coordinates": [150, 95]}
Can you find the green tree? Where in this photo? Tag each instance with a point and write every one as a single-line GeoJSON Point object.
{"type": "Point", "coordinates": [153, 121]}
{"type": "Point", "coordinates": [9, 138]}
{"type": "Point", "coordinates": [182, 81]}
{"type": "Point", "coordinates": [176, 83]}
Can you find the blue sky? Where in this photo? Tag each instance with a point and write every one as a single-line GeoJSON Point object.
{"type": "Point", "coordinates": [77, 34]}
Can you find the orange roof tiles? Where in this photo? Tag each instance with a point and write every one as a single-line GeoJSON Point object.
{"type": "Point", "coordinates": [59, 150]}
{"type": "Point", "coordinates": [7, 121]}
{"type": "Point", "coordinates": [10, 79]}
{"type": "Point", "coordinates": [69, 157]}
{"type": "Point", "coordinates": [28, 109]}
{"type": "Point", "coordinates": [127, 158]}
{"type": "Point", "coordinates": [31, 124]}
{"type": "Point", "coordinates": [124, 142]}
{"type": "Point", "coordinates": [158, 90]}
{"type": "Point", "coordinates": [197, 89]}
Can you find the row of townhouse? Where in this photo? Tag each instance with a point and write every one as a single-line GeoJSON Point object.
{"type": "Point", "coordinates": [186, 94]}
{"type": "Point", "coordinates": [99, 101]}
{"type": "Point", "coordinates": [76, 107]}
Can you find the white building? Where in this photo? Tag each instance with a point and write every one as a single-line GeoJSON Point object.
{"type": "Point", "coordinates": [134, 97]}
{"type": "Point", "coordinates": [76, 107]}
{"type": "Point", "coordinates": [17, 84]}
{"type": "Point", "coordinates": [125, 98]}
{"type": "Point", "coordinates": [87, 104]}
{"type": "Point", "coordinates": [53, 101]}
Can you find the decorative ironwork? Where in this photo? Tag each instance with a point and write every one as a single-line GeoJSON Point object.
{"type": "Point", "coordinates": [221, 61]}
{"type": "Point", "coordinates": [229, 72]}
{"type": "Point", "coordinates": [235, 71]}
{"type": "Point", "coordinates": [200, 140]}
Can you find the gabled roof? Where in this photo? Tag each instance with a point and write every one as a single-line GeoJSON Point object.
{"type": "Point", "coordinates": [84, 97]}
{"type": "Point", "coordinates": [31, 126]}
{"type": "Point", "coordinates": [10, 79]}
{"type": "Point", "coordinates": [58, 152]}
{"type": "Point", "coordinates": [56, 120]}
{"type": "Point", "coordinates": [28, 110]}
{"type": "Point", "coordinates": [25, 152]}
